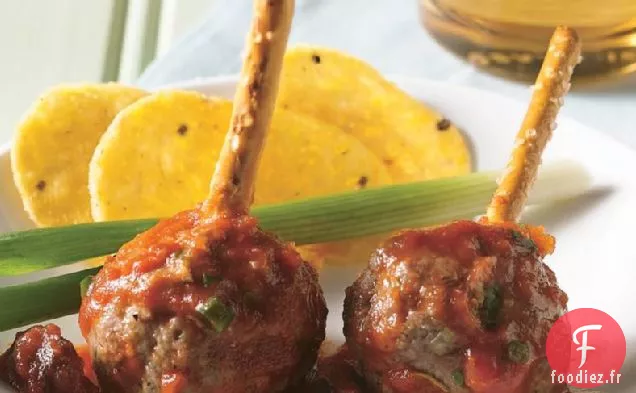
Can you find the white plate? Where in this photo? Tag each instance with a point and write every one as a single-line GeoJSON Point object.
{"type": "Point", "coordinates": [595, 260]}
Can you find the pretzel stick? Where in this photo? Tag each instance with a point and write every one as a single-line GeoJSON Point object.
{"type": "Point", "coordinates": [550, 88]}
{"type": "Point", "coordinates": [231, 188]}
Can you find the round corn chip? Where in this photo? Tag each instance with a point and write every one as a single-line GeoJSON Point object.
{"type": "Point", "coordinates": [344, 252]}
{"type": "Point", "coordinates": [158, 156]}
{"type": "Point", "coordinates": [54, 144]}
{"type": "Point", "coordinates": [414, 141]}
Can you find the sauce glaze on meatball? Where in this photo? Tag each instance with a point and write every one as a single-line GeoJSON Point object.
{"type": "Point", "coordinates": [204, 305]}
{"type": "Point", "coordinates": [42, 361]}
{"type": "Point", "coordinates": [464, 307]}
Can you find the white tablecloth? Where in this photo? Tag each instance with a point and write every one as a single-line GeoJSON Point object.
{"type": "Point", "coordinates": [387, 34]}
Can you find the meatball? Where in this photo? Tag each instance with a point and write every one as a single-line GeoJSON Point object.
{"type": "Point", "coordinates": [204, 305]}
{"type": "Point", "coordinates": [42, 361]}
{"type": "Point", "coordinates": [464, 307]}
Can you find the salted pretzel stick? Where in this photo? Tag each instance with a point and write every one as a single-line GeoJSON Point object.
{"type": "Point", "coordinates": [231, 189]}
{"type": "Point", "coordinates": [550, 88]}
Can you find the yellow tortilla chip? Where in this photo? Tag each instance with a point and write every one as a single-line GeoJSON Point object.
{"type": "Point", "coordinates": [344, 252]}
{"type": "Point", "coordinates": [158, 156]}
{"type": "Point", "coordinates": [415, 141]}
{"type": "Point", "coordinates": [54, 144]}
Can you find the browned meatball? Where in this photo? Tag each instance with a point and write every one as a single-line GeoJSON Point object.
{"type": "Point", "coordinates": [200, 305]}
{"type": "Point", "coordinates": [42, 361]}
{"type": "Point", "coordinates": [464, 307]}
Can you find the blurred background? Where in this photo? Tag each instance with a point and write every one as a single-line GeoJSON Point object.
{"type": "Point", "coordinates": [156, 42]}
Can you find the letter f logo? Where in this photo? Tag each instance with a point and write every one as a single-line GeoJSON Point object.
{"type": "Point", "coordinates": [583, 344]}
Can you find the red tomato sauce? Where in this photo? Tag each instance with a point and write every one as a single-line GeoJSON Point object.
{"type": "Point", "coordinates": [179, 253]}
{"type": "Point", "coordinates": [173, 383]}
{"type": "Point", "coordinates": [85, 355]}
{"type": "Point", "coordinates": [41, 360]}
{"type": "Point", "coordinates": [180, 264]}
{"type": "Point", "coordinates": [441, 272]}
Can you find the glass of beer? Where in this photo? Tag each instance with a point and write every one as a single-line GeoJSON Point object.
{"type": "Point", "coordinates": [509, 37]}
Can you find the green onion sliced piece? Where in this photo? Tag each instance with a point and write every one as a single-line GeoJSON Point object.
{"type": "Point", "coordinates": [518, 352]}
{"type": "Point", "coordinates": [316, 220]}
{"type": "Point", "coordinates": [41, 300]}
{"type": "Point", "coordinates": [218, 314]}
{"type": "Point", "coordinates": [458, 377]}
{"type": "Point", "coordinates": [524, 241]}
{"type": "Point", "coordinates": [491, 306]}
{"type": "Point", "coordinates": [207, 280]}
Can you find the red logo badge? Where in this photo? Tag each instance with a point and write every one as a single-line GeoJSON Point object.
{"type": "Point", "coordinates": [586, 348]}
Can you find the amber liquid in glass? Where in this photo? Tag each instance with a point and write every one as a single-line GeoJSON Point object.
{"type": "Point", "coordinates": [509, 37]}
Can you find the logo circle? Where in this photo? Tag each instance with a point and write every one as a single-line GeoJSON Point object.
{"type": "Point", "coordinates": [586, 348]}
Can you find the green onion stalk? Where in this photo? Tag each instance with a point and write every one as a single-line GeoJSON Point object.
{"type": "Point", "coordinates": [311, 221]}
